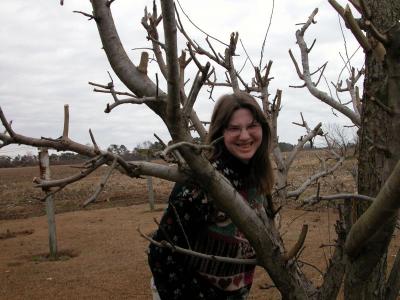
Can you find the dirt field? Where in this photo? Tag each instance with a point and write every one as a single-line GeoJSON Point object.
{"type": "Point", "coordinates": [102, 254]}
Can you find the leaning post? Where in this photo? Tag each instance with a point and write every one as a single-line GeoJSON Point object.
{"type": "Point", "coordinates": [44, 165]}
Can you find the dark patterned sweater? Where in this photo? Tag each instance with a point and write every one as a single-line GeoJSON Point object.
{"type": "Point", "coordinates": [206, 230]}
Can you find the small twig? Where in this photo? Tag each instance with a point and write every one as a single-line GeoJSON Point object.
{"type": "Point", "coordinates": [312, 266]}
{"type": "Point", "coordinates": [247, 55]}
{"type": "Point", "coordinates": [266, 286]}
{"type": "Point", "coordinates": [197, 147]}
{"type": "Point", "coordinates": [91, 17]}
{"type": "Point", "coordinates": [96, 147]}
{"type": "Point", "coordinates": [6, 124]}
{"type": "Point", "coordinates": [208, 35]}
{"type": "Point", "coordinates": [166, 235]}
{"type": "Point", "coordinates": [266, 34]}
{"type": "Point", "coordinates": [165, 244]}
{"type": "Point", "coordinates": [98, 161]}
{"type": "Point", "coordinates": [156, 85]}
{"type": "Point", "coordinates": [156, 41]}
{"type": "Point", "coordinates": [296, 65]}
{"type": "Point", "coordinates": [295, 218]}
{"type": "Point", "coordinates": [102, 184]}
{"type": "Point", "coordinates": [327, 245]}
{"type": "Point", "coordinates": [160, 140]}
{"type": "Point", "coordinates": [299, 244]}
{"type": "Point", "coordinates": [181, 226]}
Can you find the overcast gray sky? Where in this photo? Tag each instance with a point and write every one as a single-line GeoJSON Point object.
{"type": "Point", "coordinates": [48, 54]}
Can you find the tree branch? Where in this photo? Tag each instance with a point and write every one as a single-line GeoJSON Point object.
{"type": "Point", "coordinates": [302, 141]}
{"type": "Point", "coordinates": [314, 178]}
{"type": "Point", "coordinates": [102, 184]}
{"type": "Point", "coordinates": [299, 244]}
{"type": "Point", "coordinates": [165, 244]}
{"type": "Point", "coordinates": [136, 81]}
{"type": "Point", "coordinates": [174, 117]}
{"type": "Point", "coordinates": [383, 209]}
{"type": "Point", "coordinates": [306, 76]}
{"type": "Point", "coordinates": [317, 198]}
{"type": "Point", "coordinates": [150, 23]}
{"type": "Point", "coordinates": [61, 183]}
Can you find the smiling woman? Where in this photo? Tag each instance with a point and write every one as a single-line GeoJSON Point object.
{"type": "Point", "coordinates": [243, 135]}
{"type": "Point", "coordinates": [192, 220]}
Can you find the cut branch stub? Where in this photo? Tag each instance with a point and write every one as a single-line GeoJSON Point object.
{"type": "Point", "coordinates": [144, 61]}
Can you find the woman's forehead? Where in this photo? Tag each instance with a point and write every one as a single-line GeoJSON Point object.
{"type": "Point", "coordinates": [241, 116]}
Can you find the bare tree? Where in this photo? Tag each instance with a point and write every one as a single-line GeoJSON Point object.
{"type": "Point", "coordinates": [376, 113]}
{"type": "Point", "coordinates": [354, 247]}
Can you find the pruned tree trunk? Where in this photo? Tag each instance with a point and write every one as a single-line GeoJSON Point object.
{"type": "Point", "coordinates": [379, 149]}
{"type": "Point", "coordinates": [44, 165]}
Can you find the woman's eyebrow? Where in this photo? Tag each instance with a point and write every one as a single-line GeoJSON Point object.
{"type": "Point", "coordinates": [250, 123]}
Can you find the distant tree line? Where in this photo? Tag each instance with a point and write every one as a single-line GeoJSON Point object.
{"type": "Point", "coordinates": [143, 151]}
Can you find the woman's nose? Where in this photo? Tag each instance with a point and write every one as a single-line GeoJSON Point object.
{"type": "Point", "coordinates": [244, 134]}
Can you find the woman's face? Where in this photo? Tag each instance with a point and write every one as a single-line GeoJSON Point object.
{"type": "Point", "coordinates": [243, 135]}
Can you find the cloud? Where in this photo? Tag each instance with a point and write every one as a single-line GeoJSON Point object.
{"type": "Point", "coordinates": [49, 54]}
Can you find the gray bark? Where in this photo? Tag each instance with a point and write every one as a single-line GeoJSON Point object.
{"type": "Point", "coordinates": [379, 152]}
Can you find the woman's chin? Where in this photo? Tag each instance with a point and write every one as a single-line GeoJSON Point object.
{"type": "Point", "coordinates": [244, 157]}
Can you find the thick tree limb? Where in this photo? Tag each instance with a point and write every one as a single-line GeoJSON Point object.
{"type": "Point", "coordinates": [136, 81]}
{"type": "Point", "coordinates": [351, 23]}
{"type": "Point", "coordinates": [384, 208]}
{"type": "Point", "coordinates": [290, 281]}
{"type": "Point", "coordinates": [173, 105]}
{"type": "Point", "coordinates": [132, 169]}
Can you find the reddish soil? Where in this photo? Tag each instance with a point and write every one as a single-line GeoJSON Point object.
{"type": "Point", "coordinates": [102, 256]}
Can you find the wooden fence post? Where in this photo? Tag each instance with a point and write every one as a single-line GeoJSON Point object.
{"type": "Point", "coordinates": [44, 164]}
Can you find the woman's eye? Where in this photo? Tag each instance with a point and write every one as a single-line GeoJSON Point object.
{"type": "Point", "coordinates": [253, 126]}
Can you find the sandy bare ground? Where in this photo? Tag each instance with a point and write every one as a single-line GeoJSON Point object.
{"type": "Point", "coordinates": [104, 256]}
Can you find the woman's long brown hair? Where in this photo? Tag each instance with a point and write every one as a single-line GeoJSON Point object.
{"type": "Point", "coordinates": [261, 174]}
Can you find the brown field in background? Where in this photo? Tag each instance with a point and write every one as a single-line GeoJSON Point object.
{"type": "Point", "coordinates": [102, 255]}
{"type": "Point", "coordinates": [20, 199]}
